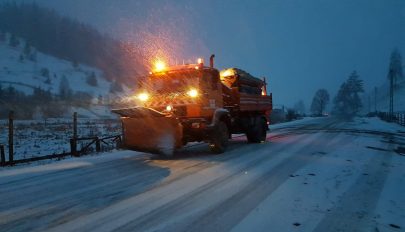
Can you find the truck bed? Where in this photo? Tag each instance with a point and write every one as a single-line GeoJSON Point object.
{"type": "Point", "coordinates": [248, 102]}
{"type": "Point", "coordinates": [241, 101]}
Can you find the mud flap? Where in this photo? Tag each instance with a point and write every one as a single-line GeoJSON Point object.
{"type": "Point", "coordinates": [148, 130]}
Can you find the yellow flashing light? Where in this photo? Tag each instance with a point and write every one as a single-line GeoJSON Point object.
{"type": "Point", "coordinates": [227, 73]}
{"type": "Point", "coordinates": [200, 60]}
{"type": "Point", "coordinates": [192, 93]}
{"type": "Point", "coordinates": [143, 96]}
{"type": "Point", "coordinates": [159, 66]}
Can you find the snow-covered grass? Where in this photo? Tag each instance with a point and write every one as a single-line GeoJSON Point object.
{"type": "Point", "coordinates": [33, 138]}
{"type": "Point", "coordinates": [374, 123]}
{"type": "Point", "coordinates": [303, 121]}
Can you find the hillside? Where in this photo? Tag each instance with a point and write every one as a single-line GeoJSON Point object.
{"type": "Point", "coordinates": [26, 70]}
{"type": "Point", "coordinates": [71, 40]}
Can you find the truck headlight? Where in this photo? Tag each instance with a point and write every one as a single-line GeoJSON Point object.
{"type": "Point", "coordinates": [143, 96]}
{"type": "Point", "coordinates": [192, 93]}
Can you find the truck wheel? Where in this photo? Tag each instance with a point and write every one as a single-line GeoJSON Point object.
{"type": "Point", "coordinates": [220, 137]}
{"type": "Point", "coordinates": [257, 133]}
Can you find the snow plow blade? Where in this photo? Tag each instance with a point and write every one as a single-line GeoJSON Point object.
{"type": "Point", "coordinates": [145, 129]}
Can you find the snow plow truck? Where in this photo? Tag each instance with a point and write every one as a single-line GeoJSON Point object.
{"type": "Point", "coordinates": [194, 103]}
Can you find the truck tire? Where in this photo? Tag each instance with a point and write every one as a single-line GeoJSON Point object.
{"type": "Point", "coordinates": [219, 138]}
{"type": "Point", "coordinates": [257, 132]}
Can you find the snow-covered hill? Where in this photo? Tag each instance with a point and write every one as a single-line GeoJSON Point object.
{"type": "Point", "coordinates": [26, 71]}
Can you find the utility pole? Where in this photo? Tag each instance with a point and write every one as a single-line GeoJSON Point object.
{"type": "Point", "coordinates": [369, 103]}
{"type": "Point", "coordinates": [391, 112]}
{"type": "Point", "coordinates": [375, 100]}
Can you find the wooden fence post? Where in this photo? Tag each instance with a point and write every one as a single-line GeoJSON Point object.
{"type": "Point", "coordinates": [2, 156]}
{"type": "Point", "coordinates": [73, 140]}
{"type": "Point", "coordinates": [402, 119]}
{"type": "Point", "coordinates": [118, 143]}
{"type": "Point", "coordinates": [75, 125]}
{"type": "Point", "coordinates": [98, 145]}
{"type": "Point", "coordinates": [11, 137]}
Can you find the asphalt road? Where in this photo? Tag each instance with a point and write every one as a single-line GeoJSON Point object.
{"type": "Point", "coordinates": [250, 187]}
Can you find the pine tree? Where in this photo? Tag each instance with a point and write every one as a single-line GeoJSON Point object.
{"type": "Point", "coordinates": [355, 85]}
{"type": "Point", "coordinates": [347, 102]}
{"type": "Point", "coordinates": [1, 91]}
{"type": "Point", "coordinates": [320, 101]}
{"type": "Point", "coordinates": [396, 66]}
{"type": "Point", "coordinates": [44, 72]}
{"type": "Point", "coordinates": [33, 56]}
{"type": "Point", "coordinates": [299, 107]}
{"type": "Point", "coordinates": [115, 87]}
{"type": "Point", "coordinates": [65, 92]}
{"type": "Point", "coordinates": [13, 42]}
{"type": "Point", "coordinates": [92, 79]}
{"type": "Point", "coordinates": [75, 64]}
{"type": "Point", "coordinates": [27, 49]}
{"type": "Point", "coordinates": [48, 81]}
{"type": "Point", "coordinates": [2, 36]}
{"type": "Point", "coordinates": [99, 99]}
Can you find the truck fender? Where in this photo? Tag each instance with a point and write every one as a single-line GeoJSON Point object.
{"type": "Point", "coordinates": [220, 114]}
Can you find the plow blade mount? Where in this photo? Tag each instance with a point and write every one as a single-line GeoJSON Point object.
{"type": "Point", "coordinates": [148, 130]}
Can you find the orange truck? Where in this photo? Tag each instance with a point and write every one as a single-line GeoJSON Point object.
{"type": "Point", "coordinates": [194, 103]}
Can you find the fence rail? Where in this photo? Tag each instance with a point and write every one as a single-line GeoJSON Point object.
{"type": "Point", "coordinates": [27, 141]}
{"type": "Point", "coordinates": [398, 118]}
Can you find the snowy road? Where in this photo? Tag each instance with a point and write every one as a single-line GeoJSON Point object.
{"type": "Point", "coordinates": [311, 175]}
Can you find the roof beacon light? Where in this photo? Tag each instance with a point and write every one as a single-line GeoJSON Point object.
{"type": "Point", "coordinates": [193, 93]}
{"type": "Point", "coordinates": [143, 96]}
{"type": "Point", "coordinates": [159, 66]}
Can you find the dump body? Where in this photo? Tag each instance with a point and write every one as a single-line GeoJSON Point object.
{"type": "Point", "coordinates": [196, 103]}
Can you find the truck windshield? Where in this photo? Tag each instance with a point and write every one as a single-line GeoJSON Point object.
{"type": "Point", "coordinates": [172, 82]}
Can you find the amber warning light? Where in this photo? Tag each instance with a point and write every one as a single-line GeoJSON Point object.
{"type": "Point", "coordinates": [159, 66]}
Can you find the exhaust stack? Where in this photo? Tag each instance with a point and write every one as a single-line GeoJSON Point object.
{"type": "Point", "coordinates": [212, 61]}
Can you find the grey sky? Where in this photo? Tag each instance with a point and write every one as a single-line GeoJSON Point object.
{"type": "Point", "coordinates": [299, 45]}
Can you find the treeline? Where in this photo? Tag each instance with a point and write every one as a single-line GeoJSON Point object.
{"type": "Point", "coordinates": [347, 102]}
{"type": "Point", "coordinates": [42, 103]}
{"type": "Point", "coordinates": [68, 39]}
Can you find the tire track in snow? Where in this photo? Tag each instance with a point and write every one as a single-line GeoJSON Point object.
{"type": "Point", "coordinates": [61, 205]}
{"type": "Point", "coordinates": [208, 221]}
{"type": "Point", "coordinates": [76, 199]}
{"type": "Point", "coordinates": [103, 182]}
{"type": "Point", "coordinates": [230, 212]}
{"type": "Point", "coordinates": [355, 211]}
{"type": "Point", "coordinates": [133, 207]}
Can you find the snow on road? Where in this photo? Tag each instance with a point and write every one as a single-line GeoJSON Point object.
{"type": "Point", "coordinates": [312, 175]}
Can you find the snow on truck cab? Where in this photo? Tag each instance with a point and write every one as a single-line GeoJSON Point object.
{"type": "Point", "coordinates": [187, 103]}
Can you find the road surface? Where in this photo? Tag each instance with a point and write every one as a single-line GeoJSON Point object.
{"type": "Point", "coordinates": [311, 175]}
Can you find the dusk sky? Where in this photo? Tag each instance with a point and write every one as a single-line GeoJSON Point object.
{"type": "Point", "coordinates": [300, 46]}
